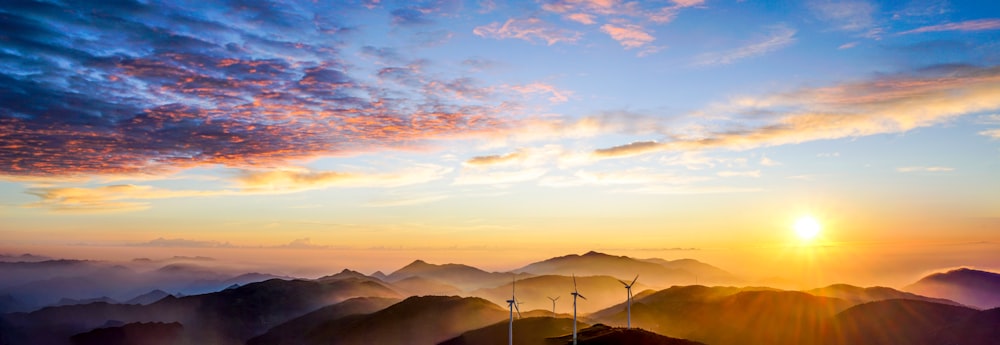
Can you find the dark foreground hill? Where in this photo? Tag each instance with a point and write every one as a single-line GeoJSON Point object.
{"type": "Point", "coordinates": [527, 331]}
{"type": "Point", "coordinates": [296, 330]}
{"type": "Point", "coordinates": [604, 335]}
{"type": "Point", "coordinates": [414, 321]}
{"type": "Point", "coordinates": [152, 333]}
{"type": "Point", "coordinates": [912, 322]}
{"type": "Point", "coordinates": [976, 288]}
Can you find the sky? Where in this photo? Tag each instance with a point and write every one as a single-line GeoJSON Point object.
{"type": "Point", "coordinates": [366, 134]}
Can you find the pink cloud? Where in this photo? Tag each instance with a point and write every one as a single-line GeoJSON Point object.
{"type": "Point", "coordinates": [628, 35]}
{"type": "Point", "coordinates": [530, 29]}
{"type": "Point", "coordinates": [970, 25]}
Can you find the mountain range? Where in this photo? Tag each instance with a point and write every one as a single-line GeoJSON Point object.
{"type": "Point", "coordinates": [424, 303]}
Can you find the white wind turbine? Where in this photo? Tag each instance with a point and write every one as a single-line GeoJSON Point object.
{"type": "Point", "coordinates": [512, 304]}
{"type": "Point", "coordinates": [628, 286]}
{"type": "Point", "coordinates": [553, 304]}
{"type": "Point", "coordinates": [575, 294]}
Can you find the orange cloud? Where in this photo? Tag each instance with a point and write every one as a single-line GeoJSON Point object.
{"type": "Point", "coordinates": [557, 96]}
{"type": "Point", "coordinates": [628, 35]}
{"type": "Point", "coordinates": [293, 180]}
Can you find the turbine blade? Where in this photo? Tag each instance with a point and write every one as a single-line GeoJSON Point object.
{"type": "Point", "coordinates": [518, 310]}
{"type": "Point", "coordinates": [623, 283]}
{"type": "Point", "coordinates": [633, 280]}
{"type": "Point", "coordinates": [581, 296]}
{"type": "Point", "coordinates": [574, 282]}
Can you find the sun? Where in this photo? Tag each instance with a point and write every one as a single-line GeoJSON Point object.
{"type": "Point", "coordinates": [807, 228]}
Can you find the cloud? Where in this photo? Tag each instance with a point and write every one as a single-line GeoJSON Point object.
{"type": "Point", "coordinates": [626, 177]}
{"type": "Point", "coordinates": [182, 243]}
{"type": "Point", "coordinates": [888, 104]}
{"type": "Point", "coordinates": [582, 18]}
{"type": "Point", "coordinates": [495, 159]}
{"type": "Point", "coordinates": [750, 173]}
{"type": "Point", "coordinates": [557, 96]}
{"type": "Point", "coordinates": [153, 88]}
{"type": "Point", "coordinates": [846, 15]}
{"type": "Point", "coordinates": [848, 45]}
{"type": "Point", "coordinates": [294, 180]}
{"type": "Point", "coordinates": [779, 37]}
{"type": "Point", "coordinates": [924, 169]}
{"type": "Point", "coordinates": [768, 162]}
{"type": "Point", "coordinates": [992, 133]}
{"type": "Point", "coordinates": [966, 26]}
{"type": "Point", "coordinates": [628, 35]}
{"type": "Point", "coordinates": [528, 29]}
{"type": "Point", "coordinates": [630, 149]}
{"type": "Point", "coordinates": [498, 178]}
{"type": "Point", "coordinates": [104, 199]}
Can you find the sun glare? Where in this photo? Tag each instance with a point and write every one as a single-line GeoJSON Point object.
{"type": "Point", "coordinates": [807, 228]}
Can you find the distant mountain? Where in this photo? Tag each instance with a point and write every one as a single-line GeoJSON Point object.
{"type": "Point", "coordinates": [414, 321]}
{"type": "Point", "coordinates": [345, 274]}
{"type": "Point", "coordinates": [652, 272]}
{"type": "Point", "coordinates": [221, 318]}
{"type": "Point", "coordinates": [148, 298]}
{"type": "Point", "coordinates": [420, 286]}
{"type": "Point", "coordinates": [27, 257]}
{"type": "Point", "coordinates": [600, 291]}
{"type": "Point", "coordinates": [70, 301]}
{"type": "Point", "coordinates": [976, 288]}
{"type": "Point", "coordinates": [153, 333]}
{"type": "Point", "coordinates": [45, 283]}
{"type": "Point", "coordinates": [461, 276]}
{"type": "Point", "coordinates": [604, 335]}
{"type": "Point", "coordinates": [860, 295]}
{"type": "Point", "coordinates": [894, 322]}
{"type": "Point", "coordinates": [379, 275]}
{"type": "Point", "coordinates": [527, 331]}
{"type": "Point", "coordinates": [295, 330]}
{"type": "Point", "coordinates": [9, 304]}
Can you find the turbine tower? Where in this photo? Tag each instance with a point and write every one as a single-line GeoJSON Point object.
{"type": "Point", "coordinates": [553, 304]}
{"type": "Point", "coordinates": [575, 294]}
{"type": "Point", "coordinates": [628, 286]}
{"type": "Point", "coordinates": [512, 304]}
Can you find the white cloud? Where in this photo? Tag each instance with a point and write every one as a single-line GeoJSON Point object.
{"type": "Point", "coordinates": [924, 169]}
{"type": "Point", "coordinates": [779, 37]}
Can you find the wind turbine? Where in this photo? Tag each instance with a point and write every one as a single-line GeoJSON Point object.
{"type": "Point", "coordinates": [628, 286]}
{"type": "Point", "coordinates": [512, 304]}
{"type": "Point", "coordinates": [553, 304]}
{"type": "Point", "coordinates": [575, 294]}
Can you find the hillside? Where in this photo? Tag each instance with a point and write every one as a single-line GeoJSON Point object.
{"type": "Point", "coordinates": [971, 287]}
{"type": "Point", "coordinates": [652, 272]}
{"type": "Point", "coordinates": [860, 295]}
{"type": "Point", "coordinates": [527, 331]}
{"type": "Point", "coordinates": [294, 331]}
{"type": "Point", "coordinates": [605, 335]}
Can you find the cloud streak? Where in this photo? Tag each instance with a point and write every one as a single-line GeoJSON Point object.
{"type": "Point", "coordinates": [533, 30]}
{"type": "Point", "coordinates": [891, 104]}
{"type": "Point", "coordinates": [779, 37]}
{"type": "Point", "coordinates": [966, 26]}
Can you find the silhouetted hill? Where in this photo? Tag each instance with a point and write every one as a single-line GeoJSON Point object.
{"type": "Point", "coordinates": [148, 298]}
{"type": "Point", "coordinates": [527, 331]}
{"type": "Point", "coordinates": [414, 321]}
{"type": "Point", "coordinates": [345, 274]}
{"type": "Point", "coordinates": [981, 328]}
{"type": "Point", "coordinates": [654, 272]}
{"type": "Point", "coordinates": [153, 333]}
{"type": "Point", "coordinates": [723, 315]}
{"type": "Point", "coordinates": [461, 276]}
{"type": "Point", "coordinates": [295, 330]}
{"type": "Point", "coordinates": [976, 288]}
{"type": "Point", "coordinates": [420, 286]}
{"type": "Point", "coordinates": [533, 292]}
{"type": "Point", "coordinates": [224, 317]}
{"type": "Point", "coordinates": [894, 322]}
{"type": "Point", "coordinates": [604, 335]}
{"type": "Point", "coordinates": [858, 295]}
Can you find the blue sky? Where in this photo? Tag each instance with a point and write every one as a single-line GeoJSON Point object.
{"type": "Point", "coordinates": [460, 123]}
